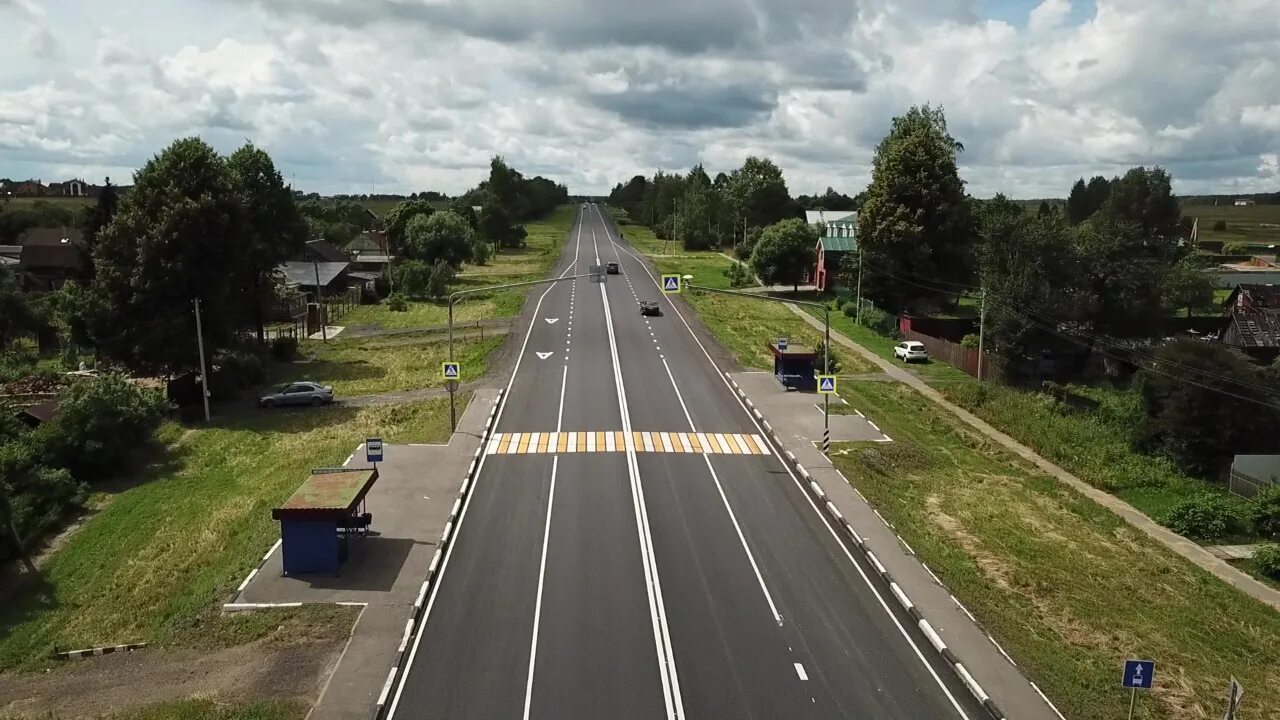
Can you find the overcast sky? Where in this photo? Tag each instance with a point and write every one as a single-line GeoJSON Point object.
{"type": "Point", "coordinates": [405, 95]}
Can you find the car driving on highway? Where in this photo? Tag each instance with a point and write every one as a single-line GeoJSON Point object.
{"type": "Point", "coordinates": [650, 307]}
{"type": "Point", "coordinates": [612, 268]}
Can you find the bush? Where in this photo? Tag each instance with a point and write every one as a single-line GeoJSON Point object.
{"type": "Point", "coordinates": [397, 303]}
{"type": "Point", "coordinates": [738, 275]}
{"type": "Point", "coordinates": [98, 423]}
{"type": "Point", "coordinates": [833, 362]}
{"type": "Point", "coordinates": [1234, 249]}
{"type": "Point", "coordinates": [233, 370]}
{"type": "Point", "coordinates": [879, 320]}
{"type": "Point", "coordinates": [1203, 517]}
{"type": "Point", "coordinates": [1220, 225]}
{"type": "Point", "coordinates": [284, 348]}
{"type": "Point", "coordinates": [412, 278]}
{"type": "Point", "coordinates": [1266, 560]}
{"type": "Point", "coordinates": [849, 308]}
{"type": "Point", "coordinates": [969, 341]}
{"type": "Point", "coordinates": [441, 275]}
{"type": "Point", "coordinates": [479, 252]}
{"type": "Point", "coordinates": [382, 285]}
{"type": "Point", "coordinates": [1264, 512]}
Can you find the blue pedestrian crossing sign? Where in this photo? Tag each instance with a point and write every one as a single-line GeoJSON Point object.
{"type": "Point", "coordinates": [450, 370]}
{"type": "Point", "coordinates": [373, 450]}
{"type": "Point", "coordinates": [1138, 674]}
{"type": "Point", "coordinates": [671, 284]}
{"type": "Point", "coordinates": [827, 384]}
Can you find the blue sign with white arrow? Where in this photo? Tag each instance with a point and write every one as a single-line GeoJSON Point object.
{"type": "Point", "coordinates": [1138, 674]}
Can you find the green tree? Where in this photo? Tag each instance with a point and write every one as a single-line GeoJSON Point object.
{"type": "Point", "coordinates": [759, 192]}
{"type": "Point", "coordinates": [17, 316]}
{"type": "Point", "coordinates": [496, 227]}
{"type": "Point", "coordinates": [1187, 285]}
{"type": "Point", "coordinates": [1145, 197]}
{"type": "Point", "coordinates": [784, 252]}
{"type": "Point", "coordinates": [462, 208]}
{"type": "Point", "coordinates": [178, 234]}
{"type": "Point", "coordinates": [441, 236]}
{"type": "Point", "coordinates": [693, 219]}
{"type": "Point", "coordinates": [1078, 203]}
{"type": "Point", "coordinates": [1121, 282]}
{"type": "Point", "coordinates": [915, 226]}
{"type": "Point", "coordinates": [274, 230]}
{"type": "Point", "coordinates": [1044, 210]}
{"type": "Point", "coordinates": [97, 218]}
{"type": "Point", "coordinates": [397, 220]}
{"type": "Point", "coordinates": [1198, 412]}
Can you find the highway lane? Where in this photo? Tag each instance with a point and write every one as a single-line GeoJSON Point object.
{"type": "Point", "coordinates": [649, 584]}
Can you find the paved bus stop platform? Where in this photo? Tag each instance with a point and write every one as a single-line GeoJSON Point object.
{"type": "Point", "coordinates": [803, 411]}
{"type": "Point", "coordinates": [384, 570]}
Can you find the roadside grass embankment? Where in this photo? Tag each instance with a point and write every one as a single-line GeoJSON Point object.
{"type": "Point", "coordinates": [1067, 587]}
{"type": "Point", "coordinates": [387, 364]}
{"type": "Point", "coordinates": [155, 561]}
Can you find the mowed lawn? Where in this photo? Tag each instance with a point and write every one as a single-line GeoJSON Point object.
{"type": "Point", "coordinates": [425, 314]}
{"type": "Point", "coordinates": [387, 364]}
{"type": "Point", "coordinates": [745, 327]}
{"type": "Point", "coordinates": [1068, 588]}
{"type": "Point", "coordinates": [152, 564]}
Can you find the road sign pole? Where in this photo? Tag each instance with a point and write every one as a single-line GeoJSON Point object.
{"type": "Point", "coordinates": [453, 412]}
{"type": "Point", "coordinates": [450, 328]}
{"type": "Point", "coordinates": [1133, 699]}
{"type": "Point", "coordinates": [826, 370]}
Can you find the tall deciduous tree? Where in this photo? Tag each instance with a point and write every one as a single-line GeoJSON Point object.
{"type": "Point", "coordinates": [783, 252]}
{"type": "Point", "coordinates": [398, 217]}
{"type": "Point", "coordinates": [1027, 270]}
{"type": "Point", "coordinates": [274, 229]}
{"type": "Point", "coordinates": [17, 316]}
{"type": "Point", "coordinates": [693, 219]}
{"type": "Point", "coordinates": [1145, 197]}
{"type": "Point", "coordinates": [177, 236]}
{"type": "Point", "coordinates": [915, 221]}
{"type": "Point", "coordinates": [442, 236]}
{"type": "Point", "coordinates": [759, 192]}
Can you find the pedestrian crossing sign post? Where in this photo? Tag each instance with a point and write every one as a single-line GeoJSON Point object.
{"type": "Point", "coordinates": [671, 284]}
{"type": "Point", "coordinates": [827, 384]}
{"type": "Point", "coordinates": [450, 370]}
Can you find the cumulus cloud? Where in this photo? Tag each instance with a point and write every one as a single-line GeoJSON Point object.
{"type": "Point", "coordinates": [414, 94]}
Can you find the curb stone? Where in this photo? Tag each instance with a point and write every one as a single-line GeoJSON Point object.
{"type": "Point", "coordinates": [433, 570]}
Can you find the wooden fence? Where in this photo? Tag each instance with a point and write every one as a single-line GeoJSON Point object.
{"type": "Point", "coordinates": [953, 354]}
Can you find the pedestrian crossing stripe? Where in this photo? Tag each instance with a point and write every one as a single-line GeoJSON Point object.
{"type": "Point", "coordinates": [534, 443]}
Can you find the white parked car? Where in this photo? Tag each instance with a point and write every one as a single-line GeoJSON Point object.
{"type": "Point", "coordinates": [910, 351]}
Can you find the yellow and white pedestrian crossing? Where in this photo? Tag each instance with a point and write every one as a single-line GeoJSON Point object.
{"type": "Point", "coordinates": [529, 443]}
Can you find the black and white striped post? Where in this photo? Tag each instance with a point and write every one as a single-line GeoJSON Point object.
{"type": "Point", "coordinates": [826, 370]}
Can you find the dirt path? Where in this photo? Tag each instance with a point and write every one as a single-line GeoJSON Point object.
{"type": "Point", "coordinates": [264, 669]}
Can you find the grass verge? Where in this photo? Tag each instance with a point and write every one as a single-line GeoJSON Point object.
{"type": "Point", "coordinates": [152, 564]}
{"type": "Point", "coordinates": [1068, 588]}
{"type": "Point", "coordinates": [390, 364]}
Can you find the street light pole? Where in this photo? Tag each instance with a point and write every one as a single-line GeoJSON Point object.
{"type": "Point", "coordinates": [826, 353]}
{"type": "Point", "coordinates": [858, 317]}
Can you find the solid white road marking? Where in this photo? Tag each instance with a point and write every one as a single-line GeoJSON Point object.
{"type": "Point", "coordinates": [799, 671]}
{"type": "Point", "coordinates": [537, 605]}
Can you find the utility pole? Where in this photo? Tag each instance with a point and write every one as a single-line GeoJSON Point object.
{"type": "Point", "coordinates": [826, 370]}
{"type": "Point", "coordinates": [324, 333]}
{"type": "Point", "coordinates": [204, 371]}
{"type": "Point", "coordinates": [982, 326]}
{"type": "Point", "coordinates": [858, 314]}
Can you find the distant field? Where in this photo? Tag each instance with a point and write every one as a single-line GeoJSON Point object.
{"type": "Point", "coordinates": [1245, 224]}
{"type": "Point", "coordinates": [56, 200]}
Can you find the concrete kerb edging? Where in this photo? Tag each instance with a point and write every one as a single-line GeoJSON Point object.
{"type": "Point", "coordinates": [433, 570]}
{"type": "Point", "coordinates": [90, 652]}
{"type": "Point", "coordinates": [907, 605]}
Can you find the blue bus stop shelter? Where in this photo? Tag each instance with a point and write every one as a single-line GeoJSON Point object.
{"type": "Point", "coordinates": [794, 367]}
{"type": "Point", "coordinates": [317, 521]}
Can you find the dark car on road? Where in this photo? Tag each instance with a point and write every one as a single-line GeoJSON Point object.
{"type": "Point", "coordinates": [297, 393]}
{"type": "Point", "coordinates": [650, 307]}
{"type": "Point", "coordinates": [612, 268]}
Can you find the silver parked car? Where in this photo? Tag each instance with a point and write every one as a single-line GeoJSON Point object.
{"type": "Point", "coordinates": [297, 393]}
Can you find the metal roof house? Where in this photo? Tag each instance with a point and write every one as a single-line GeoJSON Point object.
{"type": "Point", "coordinates": [332, 275]}
{"type": "Point", "coordinates": [839, 239]}
{"type": "Point", "coordinates": [1254, 320]}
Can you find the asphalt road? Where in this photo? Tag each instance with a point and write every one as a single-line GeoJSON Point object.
{"type": "Point", "coordinates": [593, 577]}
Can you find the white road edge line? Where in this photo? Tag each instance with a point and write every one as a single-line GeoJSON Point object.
{"type": "Point", "coordinates": [827, 523]}
{"type": "Point", "coordinates": [417, 640]}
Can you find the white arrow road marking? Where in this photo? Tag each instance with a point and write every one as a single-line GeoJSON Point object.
{"type": "Point", "coordinates": [545, 355]}
{"type": "Point", "coordinates": [551, 321]}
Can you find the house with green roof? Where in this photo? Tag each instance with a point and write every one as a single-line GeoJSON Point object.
{"type": "Point", "coordinates": [839, 239]}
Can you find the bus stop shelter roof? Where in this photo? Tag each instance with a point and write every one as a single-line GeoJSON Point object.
{"type": "Point", "coordinates": [327, 493]}
{"type": "Point", "coordinates": [797, 352]}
